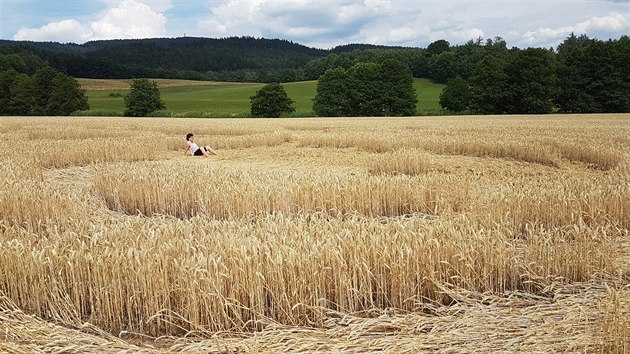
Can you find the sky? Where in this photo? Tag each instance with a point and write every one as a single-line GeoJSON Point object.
{"type": "Point", "coordinates": [317, 23]}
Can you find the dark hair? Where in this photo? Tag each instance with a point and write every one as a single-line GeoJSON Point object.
{"type": "Point", "coordinates": [188, 136]}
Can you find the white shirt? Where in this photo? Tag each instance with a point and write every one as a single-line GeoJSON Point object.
{"type": "Point", "coordinates": [192, 147]}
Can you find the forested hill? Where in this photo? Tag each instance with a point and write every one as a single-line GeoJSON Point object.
{"type": "Point", "coordinates": [187, 57]}
{"type": "Point", "coordinates": [581, 75]}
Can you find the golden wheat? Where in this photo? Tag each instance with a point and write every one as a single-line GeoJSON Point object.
{"type": "Point", "coordinates": [616, 322]}
{"type": "Point", "coordinates": [404, 162]}
{"type": "Point", "coordinates": [183, 190]}
{"type": "Point", "coordinates": [336, 228]}
{"type": "Point", "coordinates": [235, 273]}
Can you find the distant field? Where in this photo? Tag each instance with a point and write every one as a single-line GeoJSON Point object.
{"type": "Point", "coordinates": [181, 96]}
{"type": "Point", "coordinates": [428, 94]}
{"type": "Point", "coordinates": [106, 84]}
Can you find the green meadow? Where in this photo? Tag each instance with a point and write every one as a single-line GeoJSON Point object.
{"type": "Point", "coordinates": [233, 98]}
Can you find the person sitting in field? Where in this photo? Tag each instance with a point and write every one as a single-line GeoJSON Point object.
{"type": "Point", "coordinates": [194, 150]}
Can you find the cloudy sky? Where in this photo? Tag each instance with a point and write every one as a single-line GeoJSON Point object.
{"type": "Point", "coordinates": [317, 23]}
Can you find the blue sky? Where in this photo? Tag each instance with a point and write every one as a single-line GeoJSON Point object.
{"type": "Point", "coordinates": [320, 23]}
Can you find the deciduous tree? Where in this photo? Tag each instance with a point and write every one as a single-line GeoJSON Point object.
{"type": "Point", "coordinates": [66, 97]}
{"type": "Point", "coordinates": [43, 86]}
{"type": "Point", "coordinates": [593, 75]}
{"type": "Point", "coordinates": [143, 99]}
{"type": "Point", "coordinates": [398, 95]}
{"type": "Point", "coordinates": [367, 89]}
{"type": "Point", "coordinates": [271, 101]}
{"type": "Point", "coordinates": [22, 98]}
{"type": "Point", "coordinates": [438, 47]}
{"type": "Point", "coordinates": [333, 94]}
{"type": "Point", "coordinates": [8, 79]}
{"type": "Point", "coordinates": [442, 67]}
{"type": "Point", "coordinates": [531, 81]}
{"type": "Point", "coordinates": [489, 86]}
{"type": "Point", "coordinates": [455, 96]}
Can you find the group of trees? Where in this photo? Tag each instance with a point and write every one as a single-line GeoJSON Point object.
{"type": "Point", "coordinates": [29, 86]}
{"type": "Point", "coordinates": [45, 93]}
{"type": "Point", "coordinates": [366, 89]}
{"type": "Point", "coordinates": [515, 81]}
{"type": "Point", "coordinates": [20, 59]}
{"type": "Point", "coordinates": [583, 76]}
{"type": "Point", "coordinates": [593, 75]}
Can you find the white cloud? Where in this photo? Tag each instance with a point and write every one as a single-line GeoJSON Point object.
{"type": "Point", "coordinates": [441, 24]}
{"type": "Point", "coordinates": [305, 31]}
{"type": "Point", "coordinates": [378, 3]}
{"type": "Point", "coordinates": [156, 5]}
{"type": "Point", "coordinates": [128, 19]}
{"type": "Point", "coordinates": [332, 22]}
{"type": "Point", "coordinates": [357, 11]}
{"type": "Point", "coordinates": [326, 23]}
{"type": "Point", "coordinates": [464, 35]}
{"type": "Point", "coordinates": [212, 26]}
{"type": "Point", "coordinates": [69, 30]}
{"type": "Point", "coordinates": [613, 23]}
{"type": "Point", "coordinates": [402, 34]}
{"type": "Point", "coordinates": [304, 21]}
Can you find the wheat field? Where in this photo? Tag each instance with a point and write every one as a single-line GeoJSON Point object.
{"type": "Point", "coordinates": [424, 234]}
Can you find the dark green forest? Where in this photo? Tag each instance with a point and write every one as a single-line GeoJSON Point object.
{"type": "Point", "coordinates": [47, 92]}
{"type": "Point", "coordinates": [366, 89]}
{"type": "Point", "coordinates": [240, 59]}
{"type": "Point", "coordinates": [581, 75]}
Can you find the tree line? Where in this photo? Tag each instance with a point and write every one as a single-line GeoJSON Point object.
{"type": "Point", "coordinates": [238, 59]}
{"type": "Point", "coordinates": [47, 92]}
{"type": "Point", "coordinates": [581, 75]}
{"type": "Point", "coordinates": [366, 89]}
{"type": "Point", "coordinates": [29, 86]}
